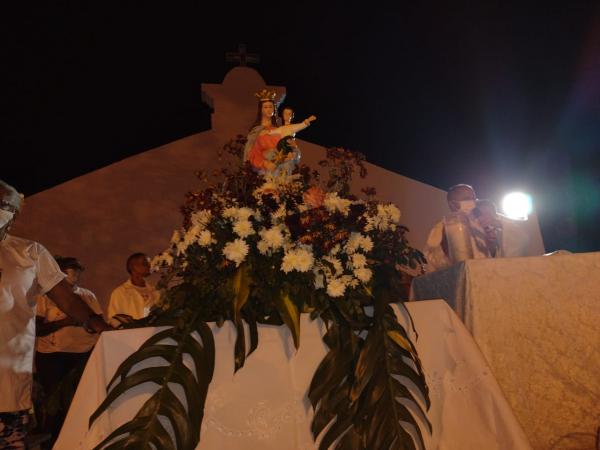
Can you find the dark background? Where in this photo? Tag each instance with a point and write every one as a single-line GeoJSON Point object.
{"type": "Point", "coordinates": [498, 96]}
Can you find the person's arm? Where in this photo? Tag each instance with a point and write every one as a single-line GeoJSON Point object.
{"type": "Point", "coordinates": [63, 296]}
{"type": "Point", "coordinates": [43, 328]}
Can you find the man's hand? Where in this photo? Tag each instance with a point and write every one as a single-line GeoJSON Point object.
{"type": "Point", "coordinates": [96, 324]}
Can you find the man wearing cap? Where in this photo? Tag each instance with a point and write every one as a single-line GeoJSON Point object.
{"type": "Point", "coordinates": [27, 269]}
{"type": "Point", "coordinates": [63, 345]}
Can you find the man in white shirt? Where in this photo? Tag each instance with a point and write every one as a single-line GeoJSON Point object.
{"type": "Point", "coordinates": [63, 346]}
{"type": "Point", "coordinates": [26, 270]}
{"type": "Point", "coordinates": [136, 297]}
{"type": "Point", "coordinates": [461, 199]}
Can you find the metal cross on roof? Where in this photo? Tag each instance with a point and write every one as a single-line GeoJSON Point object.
{"type": "Point", "coordinates": [241, 57]}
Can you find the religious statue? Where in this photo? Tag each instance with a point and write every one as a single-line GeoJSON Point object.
{"type": "Point", "coordinates": [270, 147]}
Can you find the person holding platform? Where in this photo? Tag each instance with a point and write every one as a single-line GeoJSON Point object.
{"type": "Point", "coordinates": [27, 270]}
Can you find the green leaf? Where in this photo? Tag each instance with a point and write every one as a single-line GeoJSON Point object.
{"type": "Point", "coordinates": [253, 326]}
{"type": "Point", "coordinates": [239, 349]}
{"type": "Point", "coordinates": [241, 290]}
{"type": "Point", "coordinates": [145, 430]}
{"type": "Point", "coordinates": [355, 392]}
{"type": "Point", "coordinates": [290, 315]}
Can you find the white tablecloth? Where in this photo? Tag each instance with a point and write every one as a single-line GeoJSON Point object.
{"type": "Point", "coordinates": [264, 405]}
{"type": "Point", "coordinates": [537, 322]}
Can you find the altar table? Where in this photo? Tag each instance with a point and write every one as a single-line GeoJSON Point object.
{"type": "Point", "coordinates": [264, 406]}
{"type": "Point", "coordinates": [537, 322]}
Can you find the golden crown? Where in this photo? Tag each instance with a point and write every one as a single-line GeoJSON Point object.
{"type": "Point", "coordinates": [266, 96]}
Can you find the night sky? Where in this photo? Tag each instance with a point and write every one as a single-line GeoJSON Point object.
{"type": "Point", "coordinates": [500, 97]}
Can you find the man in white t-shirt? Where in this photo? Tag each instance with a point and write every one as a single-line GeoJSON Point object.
{"type": "Point", "coordinates": [63, 346]}
{"type": "Point", "coordinates": [27, 269]}
{"type": "Point", "coordinates": [461, 199]}
{"type": "Point", "coordinates": [136, 297]}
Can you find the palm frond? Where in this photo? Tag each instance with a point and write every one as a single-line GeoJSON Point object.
{"type": "Point", "coordinates": [145, 431]}
{"type": "Point", "coordinates": [357, 392]}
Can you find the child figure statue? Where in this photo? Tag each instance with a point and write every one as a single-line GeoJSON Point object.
{"type": "Point", "coordinates": [262, 145]}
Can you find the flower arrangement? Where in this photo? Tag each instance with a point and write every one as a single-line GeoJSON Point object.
{"type": "Point", "coordinates": [262, 249]}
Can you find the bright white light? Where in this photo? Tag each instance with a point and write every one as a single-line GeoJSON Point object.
{"type": "Point", "coordinates": [517, 205]}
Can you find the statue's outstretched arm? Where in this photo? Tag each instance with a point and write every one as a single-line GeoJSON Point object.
{"type": "Point", "coordinates": [288, 130]}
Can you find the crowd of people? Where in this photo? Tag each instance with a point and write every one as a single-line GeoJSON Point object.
{"type": "Point", "coordinates": [49, 326]}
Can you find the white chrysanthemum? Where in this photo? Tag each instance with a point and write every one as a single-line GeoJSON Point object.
{"type": "Point", "coordinates": [363, 274]}
{"type": "Point", "coordinates": [336, 287]}
{"type": "Point", "coordinates": [353, 283]}
{"type": "Point", "coordinates": [353, 243]}
{"type": "Point", "coordinates": [244, 213]}
{"type": "Point", "coordinates": [380, 221]}
{"type": "Point", "coordinates": [191, 235]}
{"type": "Point", "coordinates": [236, 251]}
{"type": "Point", "coordinates": [182, 247]}
{"type": "Point", "coordinates": [263, 247]}
{"type": "Point", "coordinates": [366, 243]}
{"type": "Point", "coordinates": [161, 260]}
{"type": "Point", "coordinates": [201, 218]}
{"type": "Point", "coordinates": [243, 228]}
{"type": "Point", "coordinates": [280, 213]}
{"type": "Point", "coordinates": [205, 239]}
{"type": "Point", "coordinates": [305, 260]}
{"type": "Point", "coordinates": [357, 241]}
{"type": "Point", "coordinates": [300, 259]}
{"type": "Point", "coordinates": [358, 260]}
{"type": "Point", "coordinates": [335, 203]}
{"type": "Point", "coordinates": [392, 212]}
{"type": "Point", "coordinates": [370, 225]}
{"type": "Point", "coordinates": [386, 218]}
{"type": "Point", "coordinates": [273, 237]}
{"type": "Point", "coordinates": [335, 250]}
{"type": "Point", "coordinates": [229, 213]}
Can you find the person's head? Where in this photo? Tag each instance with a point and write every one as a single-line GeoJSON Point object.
{"type": "Point", "coordinates": [10, 205]}
{"type": "Point", "coordinates": [485, 212]}
{"type": "Point", "coordinates": [267, 109]}
{"type": "Point", "coordinates": [70, 267]}
{"type": "Point", "coordinates": [461, 197]}
{"type": "Point", "coordinates": [287, 115]}
{"type": "Point", "coordinates": [138, 264]}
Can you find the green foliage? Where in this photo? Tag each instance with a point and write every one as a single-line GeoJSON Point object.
{"type": "Point", "coordinates": [145, 430]}
{"type": "Point", "coordinates": [358, 391]}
